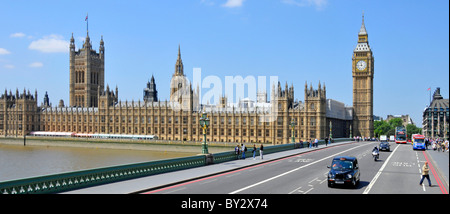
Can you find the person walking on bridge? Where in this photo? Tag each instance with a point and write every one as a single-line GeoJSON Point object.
{"type": "Point", "coordinates": [243, 150]}
{"type": "Point", "coordinates": [261, 148]}
{"type": "Point", "coordinates": [425, 174]}
{"type": "Point", "coordinates": [236, 150]}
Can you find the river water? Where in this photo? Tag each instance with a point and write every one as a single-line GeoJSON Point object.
{"type": "Point", "coordinates": [18, 161]}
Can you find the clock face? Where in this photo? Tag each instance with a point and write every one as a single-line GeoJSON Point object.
{"type": "Point", "coordinates": [361, 65]}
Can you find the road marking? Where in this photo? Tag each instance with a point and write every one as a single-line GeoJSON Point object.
{"type": "Point", "coordinates": [420, 169]}
{"type": "Point", "coordinates": [313, 180]}
{"type": "Point", "coordinates": [366, 191]}
{"type": "Point", "coordinates": [308, 190]}
{"type": "Point", "coordinates": [288, 172]}
{"type": "Point", "coordinates": [296, 190]}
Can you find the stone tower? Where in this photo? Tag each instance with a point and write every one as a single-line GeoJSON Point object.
{"type": "Point", "coordinates": [315, 111]}
{"type": "Point", "coordinates": [363, 73]}
{"type": "Point", "coordinates": [180, 88]}
{"type": "Point", "coordinates": [150, 93]}
{"type": "Point", "coordinates": [87, 73]}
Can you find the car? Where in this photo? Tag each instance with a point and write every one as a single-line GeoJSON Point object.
{"type": "Point", "coordinates": [344, 170]}
{"type": "Point", "coordinates": [385, 146]}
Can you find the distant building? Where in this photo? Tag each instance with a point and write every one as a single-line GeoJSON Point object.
{"type": "Point", "coordinates": [436, 117]}
{"type": "Point", "coordinates": [406, 119]}
{"type": "Point", "coordinates": [377, 118]}
{"type": "Point", "coordinates": [150, 93]}
{"type": "Point", "coordinates": [363, 73]}
{"type": "Point", "coordinates": [87, 73]}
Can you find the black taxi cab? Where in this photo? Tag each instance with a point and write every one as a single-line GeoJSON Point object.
{"type": "Point", "coordinates": [344, 170]}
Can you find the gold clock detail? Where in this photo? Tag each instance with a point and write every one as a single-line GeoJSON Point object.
{"type": "Point", "coordinates": [361, 65]}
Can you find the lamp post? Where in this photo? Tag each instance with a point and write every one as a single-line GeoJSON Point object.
{"type": "Point", "coordinates": [331, 130]}
{"type": "Point", "coordinates": [351, 131]}
{"type": "Point", "coordinates": [293, 127]}
{"type": "Point", "coordinates": [204, 123]}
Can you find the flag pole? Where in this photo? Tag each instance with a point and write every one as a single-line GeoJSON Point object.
{"type": "Point", "coordinates": [429, 89]}
{"type": "Point", "coordinates": [87, 24]}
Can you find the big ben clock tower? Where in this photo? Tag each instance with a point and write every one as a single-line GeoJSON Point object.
{"type": "Point", "coordinates": [363, 72]}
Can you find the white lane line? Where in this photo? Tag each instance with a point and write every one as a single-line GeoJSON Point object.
{"type": "Point", "coordinates": [313, 180]}
{"type": "Point", "coordinates": [296, 190]}
{"type": "Point", "coordinates": [366, 191]}
{"type": "Point", "coordinates": [288, 172]}
{"type": "Point", "coordinates": [308, 190]}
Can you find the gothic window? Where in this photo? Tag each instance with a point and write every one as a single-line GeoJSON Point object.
{"type": "Point", "coordinates": [279, 132]}
{"type": "Point", "coordinates": [312, 106]}
{"type": "Point", "coordinates": [279, 121]}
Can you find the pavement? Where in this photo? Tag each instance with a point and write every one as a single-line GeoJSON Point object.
{"type": "Point", "coordinates": [440, 161]}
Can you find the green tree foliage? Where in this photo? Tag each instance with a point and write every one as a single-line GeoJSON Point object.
{"type": "Point", "coordinates": [388, 128]}
{"type": "Point", "coordinates": [381, 128]}
{"type": "Point", "coordinates": [396, 122]}
{"type": "Point", "coordinates": [412, 129]}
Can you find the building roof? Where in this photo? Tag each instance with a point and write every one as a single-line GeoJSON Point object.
{"type": "Point", "coordinates": [438, 101]}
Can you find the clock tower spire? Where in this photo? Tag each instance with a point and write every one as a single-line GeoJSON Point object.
{"type": "Point", "coordinates": [363, 73]}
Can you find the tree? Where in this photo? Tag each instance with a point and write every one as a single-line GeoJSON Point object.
{"type": "Point", "coordinates": [396, 122]}
{"type": "Point", "coordinates": [412, 129]}
{"type": "Point", "coordinates": [381, 128]}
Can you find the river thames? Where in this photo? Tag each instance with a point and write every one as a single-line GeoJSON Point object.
{"type": "Point", "coordinates": [18, 161]}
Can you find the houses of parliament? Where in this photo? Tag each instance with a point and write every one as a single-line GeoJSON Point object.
{"type": "Point", "coordinates": [94, 108]}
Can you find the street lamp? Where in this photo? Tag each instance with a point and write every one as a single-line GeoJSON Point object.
{"type": "Point", "coordinates": [331, 130]}
{"type": "Point", "coordinates": [204, 123]}
{"type": "Point", "coordinates": [293, 127]}
{"type": "Point", "coordinates": [351, 131]}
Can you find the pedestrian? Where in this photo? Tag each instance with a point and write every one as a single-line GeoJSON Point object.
{"type": "Point", "coordinates": [446, 145]}
{"type": "Point", "coordinates": [236, 150]}
{"type": "Point", "coordinates": [243, 150]}
{"type": "Point", "coordinates": [316, 143]}
{"type": "Point", "coordinates": [326, 141]}
{"type": "Point", "coordinates": [425, 174]}
{"type": "Point", "coordinates": [310, 143]}
{"type": "Point", "coordinates": [254, 151]}
{"type": "Point", "coordinates": [261, 148]}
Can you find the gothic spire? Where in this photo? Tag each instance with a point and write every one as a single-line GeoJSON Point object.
{"type": "Point", "coordinates": [362, 31]}
{"type": "Point", "coordinates": [179, 65]}
{"type": "Point", "coordinates": [179, 52]}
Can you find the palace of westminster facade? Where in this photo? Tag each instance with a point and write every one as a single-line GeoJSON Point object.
{"type": "Point", "coordinates": [93, 109]}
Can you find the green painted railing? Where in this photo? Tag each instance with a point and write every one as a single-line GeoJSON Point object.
{"type": "Point", "coordinates": [87, 178]}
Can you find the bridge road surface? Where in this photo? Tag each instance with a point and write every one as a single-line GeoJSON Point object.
{"type": "Point", "coordinates": [397, 172]}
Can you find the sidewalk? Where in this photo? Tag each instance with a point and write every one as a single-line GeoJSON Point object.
{"type": "Point", "coordinates": [135, 185]}
{"type": "Point", "coordinates": [441, 161]}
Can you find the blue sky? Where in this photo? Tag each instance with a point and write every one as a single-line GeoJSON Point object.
{"type": "Point", "coordinates": [296, 40]}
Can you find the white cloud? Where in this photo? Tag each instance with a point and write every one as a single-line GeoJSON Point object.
{"type": "Point", "coordinates": [9, 66]}
{"type": "Point", "coordinates": [4, 51]}
{"type": "Point", "coordinates": [233, 3]}
{"type": "Point", "coordinates": [50, 44]}
{"type": "Point", "coordinates": [319, 4]}
{"type": "Point", "coordinates": [17, 35]}
{"type": "Point", "coordinates": [36, 65]}
{"type": "Point", "coordinates": [207, 2]}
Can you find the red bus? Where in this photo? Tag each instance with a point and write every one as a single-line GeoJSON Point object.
{"type": "Point", "coordinates": [400, 135]}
